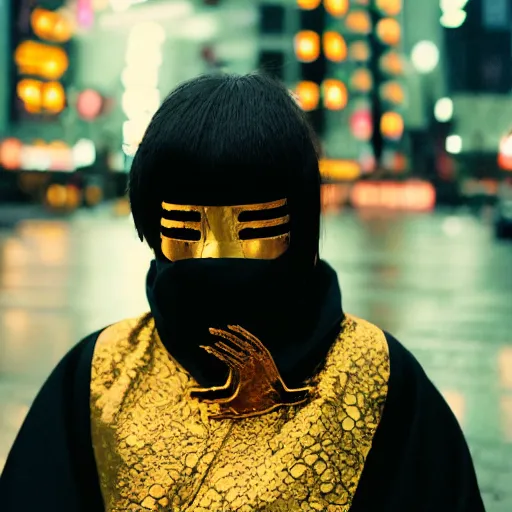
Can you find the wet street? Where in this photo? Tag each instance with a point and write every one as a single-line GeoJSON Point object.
{"type": "Point", "coordinates": [441, 284]}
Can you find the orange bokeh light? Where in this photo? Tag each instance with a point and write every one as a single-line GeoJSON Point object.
{"type": "Point", "coordinates": [39, 96]}
{"type": "Point", "coordinates": [51, 26]}
{"type": "Point", "coordinates": [335, 94]}
{"type": "Point", "coordinates": [392, 125]}
{"type": "Point", "coordinates": [10, 154]}
{"type": "Point", "coordinates": [392, 63]}
{"type": "Point", "coordinates": [337, 8]}
{"type": "Point", "coordinates": [390, 7]}
{"type": "Point", "coordinates": [308, 5]}
{"type": "Point", "coordinates": [393, 92]}
{"type": "Point", "coordinates": [411, 196]}
{"type": "Point", "coordinates": [389, 31]}
{"type": "Point", "coordinates": [359, 51]}
{"type": "Point", "coordinates": [307, 46]}
{"type": "Point", "coordinates": [33, 58]}
{"type": "Point", "coordinates": [308, 95]}
{"type": "Point", "coordinates": [359, 22]}
{"type": "Point", "coordinates": [362, 80]}
{"type": "Point", "coordinates": [335, 47]}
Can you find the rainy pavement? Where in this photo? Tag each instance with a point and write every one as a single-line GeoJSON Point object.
{"type": "Point", "coordinates": [441, 284]}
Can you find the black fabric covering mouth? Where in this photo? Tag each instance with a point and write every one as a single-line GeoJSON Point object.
{"type": "Point", "coordinates": [296, 317]}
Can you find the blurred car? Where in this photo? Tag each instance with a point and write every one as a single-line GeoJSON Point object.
{"type": "Point", "coordinates": [503, 216]}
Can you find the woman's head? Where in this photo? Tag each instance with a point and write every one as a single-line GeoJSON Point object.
{"type": "Point", "coordinates": [226, 140]}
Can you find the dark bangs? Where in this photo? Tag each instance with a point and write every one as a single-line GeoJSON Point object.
{"type": "Point", "coordinates": [225, 140]}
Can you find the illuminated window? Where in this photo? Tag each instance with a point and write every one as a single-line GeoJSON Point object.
{"type": "Point", "coordinates": [335, 48]}
{"type": "Point", "coordinates": [337, 8]}
{"type": "Point", "coordinates": [392, 125]}
{"type": "Point", "coordinates": [389, 31]}
{"type": "Point", "coordinates": [335, 94]}
{"type": "Point", "coordinates": [308, 95]}
{"type": "Point", "coordinates": [307, 46]}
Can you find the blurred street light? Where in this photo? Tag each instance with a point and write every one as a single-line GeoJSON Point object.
{"type": "Point", "coordinates": [308, 5]}
{"type": "Point", "coordinates": [307, 46]}
{"type": "Point", "coordinates": [443, 110]}
{"type": "Point", "coordinates": [337, 8]}
{"type": "Point", "coordinates": [453, 13]}
{"type": "Point", "coordinates": [425, 56]}
{"type": "Point", "coordinates": [454, 144]}
{"type": "Point", "coordinates": [308, 95]}
{"type": "Point", "coordinates": [335, 94]}
{"type": "Point", "coordinates": [335, 47]}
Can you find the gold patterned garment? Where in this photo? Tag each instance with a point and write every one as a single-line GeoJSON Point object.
{"type": "Point", "coordinates": [157, 448]}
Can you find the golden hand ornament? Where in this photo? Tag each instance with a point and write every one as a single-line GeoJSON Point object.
{"type": "Point", "coordinates": [254, 385]}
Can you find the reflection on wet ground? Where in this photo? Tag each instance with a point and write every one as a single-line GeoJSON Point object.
{"type": "Point", "coordinates": [439, 283]}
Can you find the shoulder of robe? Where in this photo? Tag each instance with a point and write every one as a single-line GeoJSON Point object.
{"type": "Point", "coordinates": [120, 350]}
{"type": "Point", "coordinates": [360, 359]}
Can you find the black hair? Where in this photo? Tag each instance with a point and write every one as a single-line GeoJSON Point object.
{"type": "Point", "coordinates": [223, 140]}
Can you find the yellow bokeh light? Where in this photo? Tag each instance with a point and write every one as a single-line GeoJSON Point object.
{"type": "Point", "coordinates": [51, 26]}
{"type": "Point", "coordinates": [308, 5]}
{"type": "Point", "coordinates": [392, 125]}
{"type": "Point", "coordinates": [335, 47]}
{"type": "Point", "coordinates": [30, 92]}
{"type": "Point", "coordinates": [54, 97]}
{"type": "Point", "coordinates": [390, 7]}
{"type": "Point", "coordinates": [308, 95]}
{"type": "Point", "coordinates": [307, 46]}
{"type": "Point", "coordinates": [337, 8]}
{"type": "Point", "coordinates": [45, 61]}
{"type": "Point", "coordinates": [335, 94]}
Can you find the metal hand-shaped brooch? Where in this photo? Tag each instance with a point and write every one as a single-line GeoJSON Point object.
{"type": "Point", "coordinates": [254, 385]}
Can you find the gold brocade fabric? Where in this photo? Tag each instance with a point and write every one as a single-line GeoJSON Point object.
{"type": "Point", "coordinates": [158, 449]}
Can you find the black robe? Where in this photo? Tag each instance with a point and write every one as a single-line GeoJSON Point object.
{"type": "Point", "coordinates": [419, 460]}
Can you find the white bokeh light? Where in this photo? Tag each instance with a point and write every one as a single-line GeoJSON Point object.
{"type": "Point", "coordinates": [425, 56]}
{"type": "Point", "coordinates": [454, 144]}
{"type": "Point", "coordinates": [443, 110]}
{"type": "Point", "coordinates": [84, 153]}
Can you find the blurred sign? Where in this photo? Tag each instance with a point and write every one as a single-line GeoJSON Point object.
{"type": "Point", "coordinates": [409, 195]}
{"type": "Point", "coordinates": [339, 170]}
{"type": "Point", "coordinates": [496, 14]}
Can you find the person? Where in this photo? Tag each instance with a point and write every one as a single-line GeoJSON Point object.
{"type": "Point", "coordinates": [246, 387]}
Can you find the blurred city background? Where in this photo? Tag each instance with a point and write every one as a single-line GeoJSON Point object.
{"type": "Point", "coordinates": [411, 99]}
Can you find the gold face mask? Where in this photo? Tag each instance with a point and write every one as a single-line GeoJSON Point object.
{"type": "Point", "coordinates": [256, 231]}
